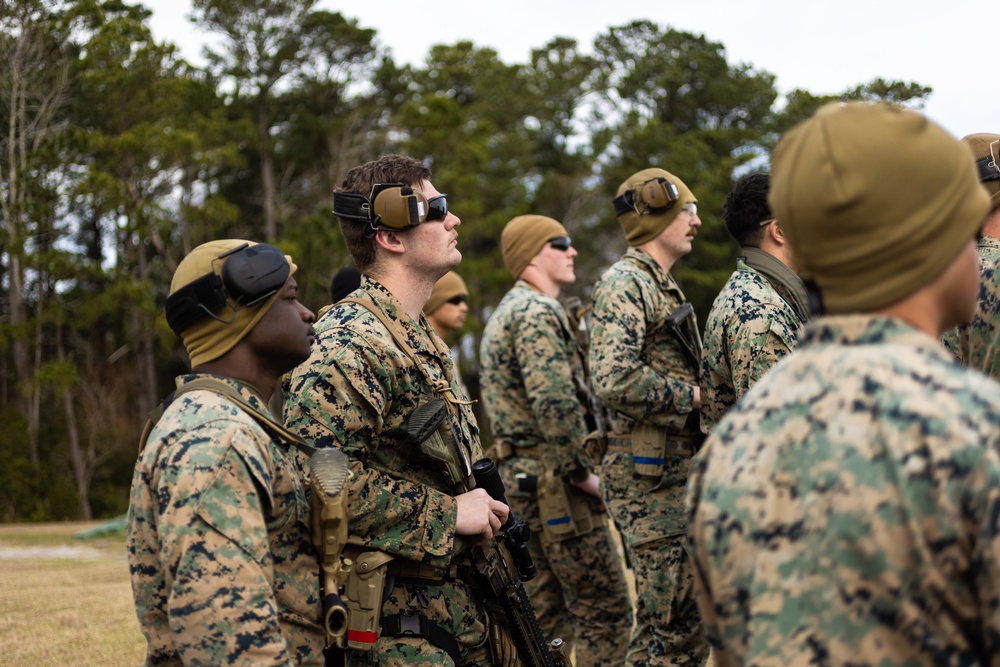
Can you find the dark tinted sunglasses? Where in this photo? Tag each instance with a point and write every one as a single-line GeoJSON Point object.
{"type": "Point", "coordinates": [437, 208]}
{"type": "Point", "coordinates": [561, 243]}
{"type": "Point", "coordinates": [455, 300]}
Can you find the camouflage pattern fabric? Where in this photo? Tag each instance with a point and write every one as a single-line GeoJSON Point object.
{"type": "Point", "coordinates": [529, 363]}
{"type": "Point", "coordinates": [223, 569]}
{"type": "Point", "coordinates": [357, 391]}
{"type": "Point", "coordinates": [642, 373]}
{"type": "Point", "coordinates": [977, 344]}
{"type": "Point", "coordinates": [845, 511]}
{"type": "Point", "coordinates": [749, 328]}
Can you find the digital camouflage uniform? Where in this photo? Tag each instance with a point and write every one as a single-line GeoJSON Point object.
{"type": "Point", "coordinates": [223, 569]}
{"type": "Point", "coordinates": [642, 373]}
{"type": "Point", "coordinates": [357, 391]}
{"type": "Point", "coordinates": [530, 369]}
{"type": "Point", "coordinates": [749, 328]}
{"type": "Point", "coordinates": [845, 512]}
{"type": "Point", "coordinates": [977, 344]}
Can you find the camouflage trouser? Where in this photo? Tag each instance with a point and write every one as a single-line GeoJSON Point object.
{"type": "Point", "coordinates": [451, 605]}
{"type": "Point", "coordinates": [580, 593]}
{"type": "Point", "coordinates": [650, 514]}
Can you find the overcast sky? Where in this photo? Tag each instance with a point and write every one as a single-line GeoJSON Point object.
{"type": "Point", "coordinates": [821, 46]}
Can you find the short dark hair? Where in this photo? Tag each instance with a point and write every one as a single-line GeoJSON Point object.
{"type": "Point", "coordinates": [360, 180]}
{"type": "Point", "coordinates": [746, 207]}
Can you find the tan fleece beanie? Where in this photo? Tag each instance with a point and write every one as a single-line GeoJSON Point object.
{"type": "Point", "coordinates": [448, 287]}
{"type": "Point", "coordinates": [640, 229]}
{"type": "Point", "coordinates": [208, 338]}
{"type": "Point", "coordinates": [524, 237]}
{"type": "Point", "coordinates": [985, 151]}
{"type": "Point", "coordinates": [876, 201]}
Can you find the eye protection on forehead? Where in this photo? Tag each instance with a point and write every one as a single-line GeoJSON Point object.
{"type": "Point", "coordinates": [250, 275]}
{"type": "Point", "coordinates": [390, 207]}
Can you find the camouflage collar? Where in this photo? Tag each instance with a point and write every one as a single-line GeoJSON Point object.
{"type": "Point", "coordinates": [645, 260]}
{"type": "Point", "coordinates": [247, 391]}
{"type": "Point", "coordinates": [868, 329]}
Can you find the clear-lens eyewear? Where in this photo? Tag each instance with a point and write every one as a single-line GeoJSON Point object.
{"type": "Point", "coordinates": [691, 208]}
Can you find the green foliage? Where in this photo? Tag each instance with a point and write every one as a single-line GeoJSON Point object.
{"type": "Point", "coordinates": [144, 156]}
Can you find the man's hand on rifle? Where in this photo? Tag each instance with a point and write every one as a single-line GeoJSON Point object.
{"type": "Point", "coordinates": [591, 486]}
{"type": "Point", "coordinates": [479, 515]}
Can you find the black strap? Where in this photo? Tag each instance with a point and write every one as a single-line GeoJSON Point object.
{"type": "Point", "coordinates": [418, 625]}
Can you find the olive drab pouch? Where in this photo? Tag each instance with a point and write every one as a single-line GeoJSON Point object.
{"type": "Point", "coordinates": [563, 513]}
{"type": "Point", "coordinates": [595, 446]}
{"type": "Point", "coordinates": [365, 591]}
{"type": "Point", "coordinates": [648, 447]}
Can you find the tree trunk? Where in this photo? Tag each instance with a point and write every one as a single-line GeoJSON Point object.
{"type": "Point", "coordinates": [266, 172]}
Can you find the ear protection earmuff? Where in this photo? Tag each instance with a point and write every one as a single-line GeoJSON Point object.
{"type": "Point", "coordinates": [390, 207]}
{"type": "Point", "coordinates": [250, 275]}
{"type": "Point", "coordinates": [653, 196]}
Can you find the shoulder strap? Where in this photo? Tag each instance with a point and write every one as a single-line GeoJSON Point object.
{"type": "Point", "coordinates": [218, 387]}
{"type": "Point", "coordinates": [442, 387]}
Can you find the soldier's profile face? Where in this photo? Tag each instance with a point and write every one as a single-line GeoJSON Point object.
{"type": "Point", "coordinates": [285, 334]}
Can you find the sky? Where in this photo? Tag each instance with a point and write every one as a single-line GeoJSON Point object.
{"type": "Point", "coordinates": [821, 46]}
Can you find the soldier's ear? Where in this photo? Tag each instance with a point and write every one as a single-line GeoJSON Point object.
{"type": "Point", "coordinates": [390, 241]}
{"type": "Point", "coordinates": [777, 233]}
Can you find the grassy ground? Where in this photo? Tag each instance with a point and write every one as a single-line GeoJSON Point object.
{"type": "Point", "coordinates": [65, 601]}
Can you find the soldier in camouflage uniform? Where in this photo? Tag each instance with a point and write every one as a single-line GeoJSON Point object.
{"type": "Point", "coordinates": [977, 344]}
{"type": "Point", "coordinates": [756, 316]}
{"type": "Point", "coordinates": [844, 512]}
{"type": "Point", "coordinates": [531, 371]}
{"type": "Point", "coordinates": [358, 390]}
{"type": "Point", "coordinates": [644, 359]}
{"type": "Point", "coordinates": [448, 304]}
{"type": "Point", "coordinates": [223, 569]}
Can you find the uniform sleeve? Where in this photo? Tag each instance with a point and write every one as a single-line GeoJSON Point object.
{"type": "Point", "coordinates": [543, 355]}
{"type": "Point", "coordinates": [622, 380]}
{"type": "Point", "coordinates": [213, 533]}
{"type": "Point", "coordinates": [757, 346]}
{"type": "Point", "coordinates": [337, 405]}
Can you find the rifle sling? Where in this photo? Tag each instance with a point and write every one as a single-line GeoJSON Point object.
{"type": "Point", "coordinates": [217, 386]}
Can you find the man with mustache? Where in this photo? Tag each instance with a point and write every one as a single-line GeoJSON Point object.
{"type": "Point", "coordinates": [645, 353]}
{"type": "Point", "coordinates": [376, 360]}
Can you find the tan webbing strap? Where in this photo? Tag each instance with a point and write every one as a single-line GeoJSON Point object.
{"type": "Point", "coordinates": [442, 387]}
{"type": "Point", "coordinates": [219, 387]}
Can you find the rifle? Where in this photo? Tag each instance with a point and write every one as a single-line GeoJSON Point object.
{"type": "Point", "coordinates": [503, 563]}
{"type": "Point", "coordinates": [685, 329]}
{"type": "Point", "coordinates": [598, 417]}
{"type": "Point", "coordinates": [328, 473]}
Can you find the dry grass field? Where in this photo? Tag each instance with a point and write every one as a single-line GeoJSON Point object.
{"type": "Point", "coordinates": [65, 601]}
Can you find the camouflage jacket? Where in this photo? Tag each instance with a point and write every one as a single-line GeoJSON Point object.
{"type": "Point", "coordinates": [845, 510]}
{"type": "Point", "coordinates": [977, 344]}
{"type": "Point", "coordinates": [357, 391]}
{"type": "Point", "coordinates": [223, 569]}
{"type": "Point", "coordinates": [749, 328]}
{"type": "Point", "coordinates": [530, 374]}
{"type": "Point", "coordinates": [639, 369]}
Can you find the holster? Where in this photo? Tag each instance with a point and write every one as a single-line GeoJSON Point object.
{"type": "Point", "coordinates": [365, 591]}
{"type": "Point", "coordinates": [563, 513]}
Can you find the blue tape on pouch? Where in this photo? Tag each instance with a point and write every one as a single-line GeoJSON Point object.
{"type": "Point", "coordinates": [556, 522]}
{"type": "Point", "coordinates": [639, 460]}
